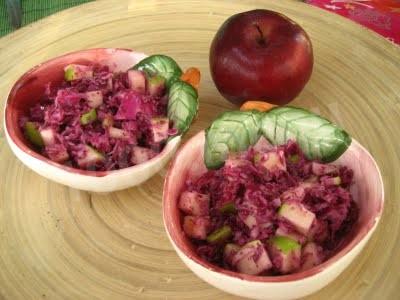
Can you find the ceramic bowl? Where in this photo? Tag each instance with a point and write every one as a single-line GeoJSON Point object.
{"type": "Point", "coordinates": [31, 86]}
{"type": "Point", "coordinates": [367, 191]}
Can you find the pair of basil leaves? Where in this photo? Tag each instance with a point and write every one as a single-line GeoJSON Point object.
{"type": "Point", "coordinates": [237, 130]}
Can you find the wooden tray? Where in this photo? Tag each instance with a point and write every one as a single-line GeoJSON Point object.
{"type": "Point", "coordinates": [60, 243]}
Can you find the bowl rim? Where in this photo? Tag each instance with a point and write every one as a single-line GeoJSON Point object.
{"type": "Point", "coordinates": [10, 128]}
{"type": "Point", "coordinates": [173, 232]}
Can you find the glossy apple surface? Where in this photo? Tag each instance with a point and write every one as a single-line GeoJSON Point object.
{"type": "Point", "coordinates": [261, 55]}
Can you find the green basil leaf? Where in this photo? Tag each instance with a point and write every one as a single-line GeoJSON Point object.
{"type": "Point", "coordinates": [182, 105]}
{"type": "Point", "coordinates": [232, 131]}
{"type": "Point", "coordinates": [317, 137]}
{"type": "Point", "coordinates": [161, 65]}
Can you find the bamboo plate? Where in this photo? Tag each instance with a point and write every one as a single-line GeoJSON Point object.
{"type": "Point", "coordinates": [60, 243]}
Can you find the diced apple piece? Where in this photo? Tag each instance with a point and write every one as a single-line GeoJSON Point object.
{"type": "Point", "coordinates": [159, 128]}
{"type": "Point", "coordinates": [57, 152]}
{"type": "Point", "coordinates": [300, 217]}
{"type": "Point", "coordinates": [91, 157]}
{"type": "Point", "coordinates": [229, 252]}
{"type": "Point", "coordinates": [311, 256]}
{"type": "Point", "coordinates": [196, 227]}
{"type": "Point", "coordinates": [257, 225]}
{"type": "Point", "coordinates": [252, 259]}
{"type": "Point", "coordinates": [259, 231]}
{"type": "Point", "coordinates": [140, 155]}
{"type": "Point", "coordinates": [156, 85]}
{"type": "Point", "coordinates": [94, 98]}
{"type": "Point", "coordinates": [219, 235]}
{"type": "Point", "coordinates": [59, 157]}
{"type": "Point", "coordinates": [235, 160]}
{"type": "Point", "coordinates": [250, 221]}
{"type": "Point", "coordinates": [89, 117]}
{"type": "Point", "coordinates": [331, 181]}
{"type": "Point", "coordinates": [262, 145]}
{"type": "Point", "coordinates": [293, 194]}
{"type": "Point", "coordinates": [272, 161]}
{"type": "Point", "coordinates": [118, 133]}
{"type": "Point", "coordinates": [75, 72]}
{"type": "Point", "coordinates": [33, 134]}
{"type": "Point", "coordinates": [137, 81]}
{"type": "Point", "coordinates": [318, 231]}
{"type": "Point", "coordinates": [48, 135]}
{"type": "Point", "coordinates": [194, 203]}
{"type": "Point", "coordinates": [309, 183]}
{"type": "Point", "coordinates": [323, 169]}
{"type": "Point", "coordinates": [108, 121]}
{"type": "Point", "coordinates": [283, 231]}
{"type": "Point", "coordinates": [285, 253]}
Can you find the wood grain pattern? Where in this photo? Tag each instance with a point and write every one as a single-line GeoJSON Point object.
{"type": "Point", "coordinates": [60, 243]}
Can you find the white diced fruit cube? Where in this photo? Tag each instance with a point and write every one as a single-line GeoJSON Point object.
{"type": "Point", "coordinates": [331, 181]}
{"type": "Point", "coordinates": [196, 227]}
{"type": "Point", "coordinates": [229, 252]}
{"type": "Point", "coordinates": [323, 169]}
{"type": "Point", "coordinates": [296, 214]}
{"type": "Point", "coordinates": [57, 152]}
{"type": "Point", "coordinates": [75, 72]}
{"type": "Point", "coordinates": [250, 221]}
{"type": "Point", "coordinates": [48, 136]}
{"type": "Point", "coordinates": [137, 81]}
{"type": "Point", "coordinates": [319, 231]}
{"type": "Point", "coordinates": [252, 259]}
{"type": "Point", "coordinates": [118, 133]}
{"type": "Point", "coordinates": [284, 231]}
{"type": "Point", "coordinates": [91, 157]}
{"type": "Point", "coordinates": [309, 183]}
{"type": "Point", "coordinates": [235, 160]}
{"type": "Point", "coordinates": [262, 145]}
{"type": "Point", "coordinates": [285, 253]}
{"type": "Point", "coordinates": [108, 121]}
{"type": "Point", "coordinates": [272, 161]}
{"type": "Point", "coordinates": [94, 98]}
{"type": "Point", "coordinates": [294, 194]}
{"type": "Point", "coordinates": [255, 220]}
{"type": "Point", "coordinates": [156, 85]}
{"type": "Point", "coordinates": [311, 256]}
{"type": "Point", "coordinates": [159, 128]}
{"type": "Point", "coordinates": [140, 155]}
{"type": "Point", "coordinates": [194, 203]}
{"type": "Point", "coordinates": [249, 218]}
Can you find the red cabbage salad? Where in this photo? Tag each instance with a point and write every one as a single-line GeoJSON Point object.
{"type": "Point", "coordinates": [97, 119]}
{"type": "Point", "coordinates": [271, 202]}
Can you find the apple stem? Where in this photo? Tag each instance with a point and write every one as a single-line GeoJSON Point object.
{"type": "Point", "coordinates": [261, 39]}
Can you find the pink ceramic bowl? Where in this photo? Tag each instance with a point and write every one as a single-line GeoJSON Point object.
{"type": "Point", "coordinates": [29, 89]}
{"type": "Point", "coordinates": [367, 191]}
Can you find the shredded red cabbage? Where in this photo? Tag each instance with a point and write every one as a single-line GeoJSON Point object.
{"type": "Point", "coordinates": [127, 110]}
{"type": "Point", "coordinates": [258, 194]}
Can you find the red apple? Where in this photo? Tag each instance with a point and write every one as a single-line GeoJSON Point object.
{"type": "Point", "coordinates": [261, 55]}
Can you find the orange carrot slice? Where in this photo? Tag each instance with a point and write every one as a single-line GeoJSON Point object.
{"type": "Point", "coordinates": [192, 76]}
{"type": "Point", "coordinates": [257, 105]}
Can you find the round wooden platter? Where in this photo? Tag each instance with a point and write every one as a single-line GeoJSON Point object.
{"type": "Point", "coordinates": [60, 243]}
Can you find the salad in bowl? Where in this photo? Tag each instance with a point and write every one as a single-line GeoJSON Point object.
{"type": "Point", "coordinates": [101, 119]}
{"type": "Point", "coordinates": [265, 200]}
